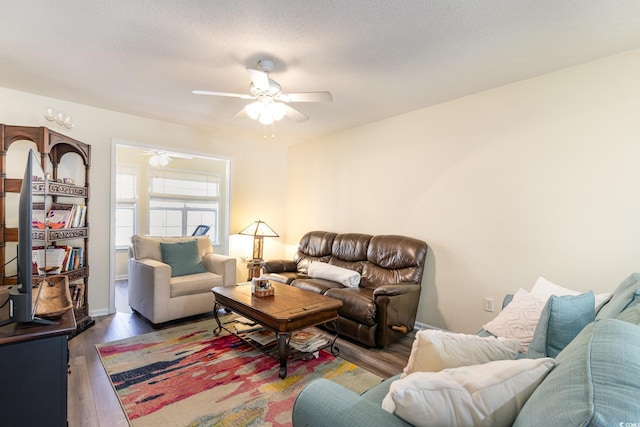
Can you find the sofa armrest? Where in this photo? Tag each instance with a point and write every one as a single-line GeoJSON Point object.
{"type": "Point", "coordinates": [151, 274]}
{"type": "Point", "coordinates": [149, 286]}
{"type": "Point", "coordinates": [507, 299]}
{"type": "Point", "coordinates": [279, 266]}
{"type": "Point", "coordinates": [396, 289]}
{"type": "Point", "coordinates": [396, 308]}
{"type": "Point", "coordinates": [325, 403]}
{"type": "Point", "coordinates": [222, 265]}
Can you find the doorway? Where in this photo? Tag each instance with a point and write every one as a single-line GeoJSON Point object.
{"type": "Point", "coordinates": [167, 193]}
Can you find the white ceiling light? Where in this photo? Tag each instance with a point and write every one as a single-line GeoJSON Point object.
{"type": "Point", "coordinates": [265, 110]}
{"type": "Point", "coordinates": [271, 104]}
{"type": "Point", "coordinates": [159, 158]}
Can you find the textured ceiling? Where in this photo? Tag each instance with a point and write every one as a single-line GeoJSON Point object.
{"type": "Point", "coordinates": [378, 58]}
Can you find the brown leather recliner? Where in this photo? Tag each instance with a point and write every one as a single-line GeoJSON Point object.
{"type": "Point", "coordinates": [383, 306]}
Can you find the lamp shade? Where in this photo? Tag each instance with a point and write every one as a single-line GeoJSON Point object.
{"type": "Point", "coordinates": [259, 229]}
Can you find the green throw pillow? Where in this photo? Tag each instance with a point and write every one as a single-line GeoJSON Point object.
{"type": "Point", "coordinates": [562, 318]}
{"type": "Point", "coordinates": [183, 257]}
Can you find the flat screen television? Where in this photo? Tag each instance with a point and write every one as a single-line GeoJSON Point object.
{"type": "Point", "coordinates": [22, 305]}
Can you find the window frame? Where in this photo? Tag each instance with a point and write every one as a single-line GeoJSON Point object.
{"type": "Point", "coordinates": [127, 203]}
{"type": "Point", "coordinates": [214, 232]}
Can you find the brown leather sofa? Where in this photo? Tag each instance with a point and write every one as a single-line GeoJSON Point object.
{"type": "Point", "coordinates": [383, 307]}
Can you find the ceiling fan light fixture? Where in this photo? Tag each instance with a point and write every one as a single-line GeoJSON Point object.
{"type": "Point", "coordinates": [266, 118]}
{"type": "Point", "coordinates": [159, 159]}
{"type": "Point", "coordinates": [164, 159]}
{"type": "Point", "coordinates": [277, 110]}
{"type": "Point", "coordinates": [254, 110]}
{"type": "Point", "coordinates": [270, 104]}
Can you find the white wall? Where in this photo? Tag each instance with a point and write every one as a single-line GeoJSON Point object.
{"type": "Point", "coordinates": [99, 127]}
{"type": "Point", "coordinates": [537, 178]}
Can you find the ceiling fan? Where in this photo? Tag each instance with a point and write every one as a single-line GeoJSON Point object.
{"type": "Point", "coordinates": [162, 158]}
{"type": "Point", "coordinates": [270, 103]}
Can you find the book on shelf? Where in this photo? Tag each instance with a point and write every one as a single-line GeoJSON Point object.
{"type": "Point", "coordinates": [77, 261]}
{"type": "Point", "coordinates": [78, 295]}
{"type": "Point", "coordinates": [49, 260]}
{"type": "Point", "coordinates": [66, 215]}
{"type": "Point", "coordinates": [83, 217]}
{"type": "Point", "coordinates": [38, 219]}
{"type": "Point", "coordinates": [58, 218]}
{"type": "Point", "coordinates": [79, 215]}
{"type": "Point", "coordinates": [74, 297]}
{"type": "Point", "coordinates": [67, 253]}
{"type": "Point", "coordinates": [56, 259]}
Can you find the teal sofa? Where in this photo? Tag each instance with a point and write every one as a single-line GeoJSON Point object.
{"type": "Point", "coordinates": [596, 380]}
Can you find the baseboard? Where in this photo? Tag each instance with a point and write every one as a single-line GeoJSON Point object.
{"type": "Point", "coordinates": [422, 326]}
{"type": "Point", "coordinates": [101, 312]}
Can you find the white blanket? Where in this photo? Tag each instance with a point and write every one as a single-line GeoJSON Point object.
{"type": "Point", "coordinates": [322, 270]}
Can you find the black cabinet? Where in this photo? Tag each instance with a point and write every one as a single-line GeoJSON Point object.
{"type": "Point", "coordinates": [34, 372]}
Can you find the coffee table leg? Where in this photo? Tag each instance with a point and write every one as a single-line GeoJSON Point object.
{"type": "Point", "coordinates": [282, 352]}
{"type": "Point", "coordinates": [217, 330]}
{"type": "Point", "coordinates": [335, 350]}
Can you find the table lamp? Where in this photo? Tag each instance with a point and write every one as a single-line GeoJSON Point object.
{"type": "Point", "coordinates": [259, 230]}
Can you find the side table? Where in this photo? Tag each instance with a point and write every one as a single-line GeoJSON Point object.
{"type": "Point", "coordinates": [254, 266]}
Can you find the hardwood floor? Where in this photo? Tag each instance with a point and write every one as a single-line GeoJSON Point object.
{"type": "Point", "coordinates": [92, 401]}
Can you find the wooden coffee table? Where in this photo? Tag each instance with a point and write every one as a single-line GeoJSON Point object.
{"type": "Point", "coordinates": [290, 309]}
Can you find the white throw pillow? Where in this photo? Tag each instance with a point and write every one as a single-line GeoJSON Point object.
{"type": "Point", "coordinates": [434, 350]}
{"type": "Point", "coordinates": [491, 394]}
{"type": "Point", "coordinates": [543, 289]}
{"type": "Point", "coordinates": [344, 276]}
{"type": "Point", "coordinates": [518, 320]}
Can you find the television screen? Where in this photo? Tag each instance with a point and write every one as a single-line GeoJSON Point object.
{"type": "Point", "coordinates": [30, 205]}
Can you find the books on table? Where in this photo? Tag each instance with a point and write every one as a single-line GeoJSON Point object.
{"type": "Point", "coordinates": [262, 336]}
{"type": "Point", "coordinates": [307, 341]}
{"type": "Point", "coordinates": [243, 324]}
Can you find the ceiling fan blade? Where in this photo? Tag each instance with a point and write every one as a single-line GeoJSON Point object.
{"type": "Point", "coordinates": [240, 114]}
{"type": "Point", "coordinates": [259, 78]}
{"type": "Point", "coordinates": [294, 114]}
{"type": "Point", "coordinates": [169, 154]}
{"type": "Point", "coordinates": [307, 97]}
{"type": "Point", "coordinates": [179, 155]}
{"type": "Point", "coordinates": [214, 93]}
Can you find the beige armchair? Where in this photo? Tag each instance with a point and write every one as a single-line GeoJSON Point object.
{"type": "Point", "coordinates": [161, 297]}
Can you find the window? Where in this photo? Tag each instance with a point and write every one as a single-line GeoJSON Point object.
{"type": "Point", "coordinates": [126, 203]}
{"type": "Point", "coordinates": [180, 201]}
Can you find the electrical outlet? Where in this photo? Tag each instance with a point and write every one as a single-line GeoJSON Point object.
{"type": "Point", "coordinates": [488, 304]}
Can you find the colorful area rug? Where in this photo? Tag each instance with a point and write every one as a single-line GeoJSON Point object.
{"type": "Point", "coordinates": [186, 376]}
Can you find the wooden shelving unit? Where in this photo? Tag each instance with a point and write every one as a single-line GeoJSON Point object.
{"type": "Point", "coordinates": [52, 147]}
